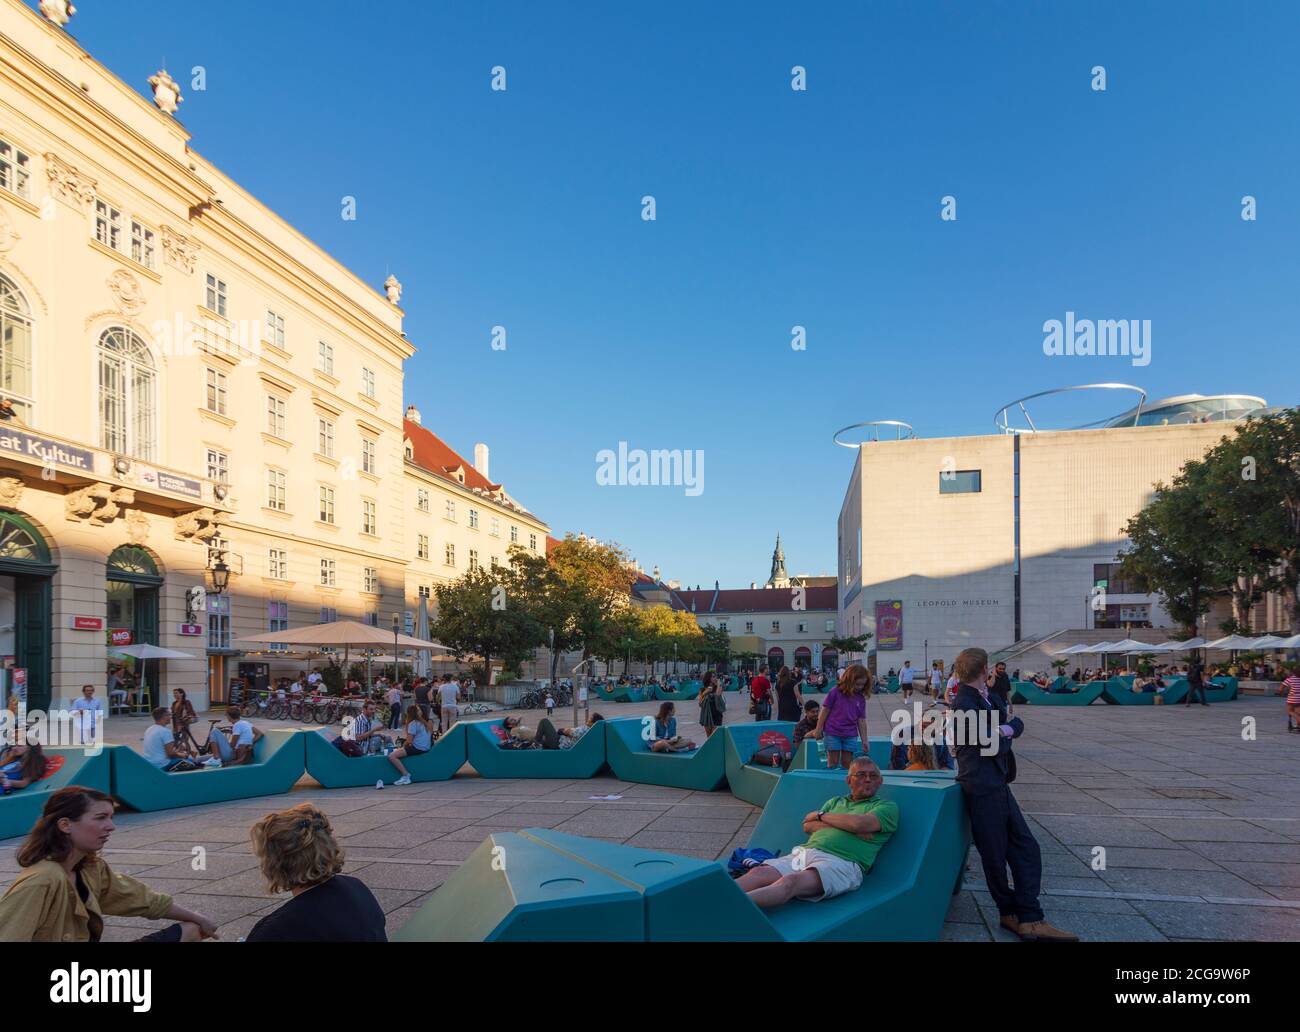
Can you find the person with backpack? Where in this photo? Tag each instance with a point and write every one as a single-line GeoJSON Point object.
{"type": "Point", "coordinates": [760, 694]}
{"type": "Point", "coordinates": [842, 723]}
{"type": "Point", "coordinates": [712, 704]}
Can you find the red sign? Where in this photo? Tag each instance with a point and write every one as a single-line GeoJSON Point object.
{"type": "Point", "coordinates": [87, 623]}
{"type": "Point", "coordinates": [889, 625]}
{"type": "Point", "coordinates": [190, 630]}
{"type": "Point", "coordinates": [119, 637]}
{"type": "Point", "coordinates": [20, 677]}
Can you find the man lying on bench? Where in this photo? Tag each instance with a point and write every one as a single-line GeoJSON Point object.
{"type": "Point", "coordinates": [844, 838]}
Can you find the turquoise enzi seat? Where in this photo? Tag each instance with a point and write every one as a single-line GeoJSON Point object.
{"type": "Point", "coordinates": [334, 770]}
{"type": "Point", "coordinates": [1030, 694]}
{"type": "Point", "coordinates": [544, 885]}
{"type": "Point", "coordinates": [701, 770]}
{"type": "Point", "coordinates": [584, 760]}
{"type": "Point", "coordinates": [1120, 693]}
{"type": "Point", "coordinates": [754, 784]}
{"type": "Point", "coordinates": [22, 807]}
{"type": "Point", "coordinates": [278, 762]}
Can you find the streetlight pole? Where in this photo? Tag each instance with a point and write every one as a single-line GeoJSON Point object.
{"type": "Point", "coordinates": [397, 617]}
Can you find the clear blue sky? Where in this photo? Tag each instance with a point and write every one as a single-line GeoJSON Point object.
{"type": "Point", "coordinates": [775, 209]}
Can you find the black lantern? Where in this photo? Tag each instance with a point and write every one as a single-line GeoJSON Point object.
{"type": "Point", "coordinates": [220, 575]}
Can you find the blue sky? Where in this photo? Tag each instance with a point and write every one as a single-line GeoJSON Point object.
{"type": "Point", "coordinates": [775, 208]}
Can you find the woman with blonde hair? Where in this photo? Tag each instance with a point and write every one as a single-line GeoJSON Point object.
{"type": "Point", "coordinates": [842, 723]}
{"type": "Point", "coordinates": [418, 741]}
{"type": "Point", "coordinates": [298, 854]}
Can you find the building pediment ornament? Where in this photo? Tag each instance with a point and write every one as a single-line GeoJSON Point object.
{"type": "Point", "coordinates": [99, 504]}
{"type": "Point", "coordinates": [137, 527]}
{"type": "Point", "coordinates": [166, 94]}
{"type": "Point", "coordinates": [8, 235]}
{"type": "Point", "coordinates": [393, 289]}
{"type": "Point", "coordinates": [126, 292]}
{"type": "Point", "coordinates": [11, 492]}
{"type": "Point", "coordinates": [179, 250]}
{"type": "Point", "coordinates": [59, 12]}
{"type": "Point", "coordinates": [199, 525]}
{"type": "Point", "coordinates": [68, 184]}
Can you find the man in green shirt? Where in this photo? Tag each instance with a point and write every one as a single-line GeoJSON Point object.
{"type": "Point", "coordinates": [844, 838]}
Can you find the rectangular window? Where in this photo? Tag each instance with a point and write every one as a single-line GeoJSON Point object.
{"type": "Point", "coordinates": [325, 358]}
{"type": "Point", "coordinates": [142, 244]}
{"type": "Point", "coordinates": [15, 170]}
{"type": "Point", "coordinates": [326, 504]}
{"type": "Point", "coordinates": [371, 579]}
{"type": "Point", "coordinates": [325, 438]}
{"type": "Point", "coordinates": [962, 481]}
{"type": "Point", "coordinates": [372, 618]}
{"type": "Point", "coordinates": [277, 619]}
{"type": "Point", "coordinates": [473, 559]}
{"type": "Point", "coordinates": [532, 542]}
{"type": "Point", "coordinates": [368, 464]}
{"type": "Point", "coordinates": [275, 329]}
{"type": "Point", "coordinates": [275, 489]}
{"type": "Point", "coordinates": [473, 518]}
{"type": "Point", "coordinates": [450, 556]}
{"type": "Point", "coordinates": [218, 395]}
{"type": "Point", "coordinates": [494, 527]}
{"type": "Point", "coordinates": [368, 520]}
{"type": "Point", "coordinates": [108, 225]}
{"type": "Point", "coordinates": [367, 382]}
{"type": "Point", "coordinates": [424, 591]}
{"type": "Point", "coordinates": [514, 535]}
{"type": "Point", "coordinates": [218, 466]}
{"type": "Point", "coordinates": [803, 628]}
{"type": "Point", "coordinates": [216, 295]}
{"type": "Point", "coordinates": [275, 418]}
{"type": "Point", "coordinates": [422, 499]}
{"type": "Point", "coordinates": [422, 546]}
{"type": "Point", "coordinates": [830, 626]}
{"type": "Point", "coordinates": [450, 510]}
{"type": "Point", "coordinates": [408, 621]}
{"type": "Point", "coordinates": [722, 626]}
{"type": "Point", "coordinates": [327, 572]}
{"type": "Point", "coordinates": [218, 621]}
{"type": "Point", "coordinates": [328, 614]}
{"type": "Point", "coordinates": [277, 564]}
{"type": "Point", "coordinates": [776, 625]}
{"type": "Point", "coordinates": [749, 626]}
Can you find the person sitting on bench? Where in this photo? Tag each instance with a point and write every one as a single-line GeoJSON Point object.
{"type": "Point", "coordinates": [20, 765]}
{"type": "Point", "coordinates": [844, 838]}
{"type": "Point", "coordinates": [238, 748]}
{"type": "Point", "coordinates": [665, 737]}
{"type": "Point", "coordinates": [570, 736]}
{"type": "Point", "coordinates": [806, 726]}
{"type": "Point", "coordinates": [544, 735]}
{"type": "Point", "coordinates": [419, 740]}
{"type": "Point", "coordinates": [160, 746]}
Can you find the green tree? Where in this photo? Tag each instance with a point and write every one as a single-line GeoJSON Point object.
{"type": "Point", "coordinates": [856, 643]}
{"type": "Point", "coordinates": [476, 619]}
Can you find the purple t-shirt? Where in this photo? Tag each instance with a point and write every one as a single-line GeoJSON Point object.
{"type": "Point", "coordinates": [844, 712]}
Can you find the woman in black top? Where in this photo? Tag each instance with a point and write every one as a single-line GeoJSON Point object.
{"type": "Point", "coordinates": [789, 702]}
{"type": "Point", "coordinates": [299, 854]}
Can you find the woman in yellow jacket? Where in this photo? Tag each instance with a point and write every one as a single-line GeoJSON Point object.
{"type": "Point", "coordinates": [66, 889]}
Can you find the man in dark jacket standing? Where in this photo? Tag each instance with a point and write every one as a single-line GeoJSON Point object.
{"type": "Point", "coordinates": [1001, 686]}
{"type": "Point", "coordinates": [998, 828]}
{"type": "Point", "coordinates": [1195, 683]}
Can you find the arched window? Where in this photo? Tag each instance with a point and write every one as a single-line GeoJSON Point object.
{"type": "Point", "coordinates": [16, 348]}
{"type": "Point", "coordinates": [131, 562]}
{"type": "Point", "coordinates": [127, 395]}
{"type": "Point", "coordinates": [20, 542]}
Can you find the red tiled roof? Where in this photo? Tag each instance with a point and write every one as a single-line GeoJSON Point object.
{"type": "Point", "coordinates": [758, 600]}
{"type": "Point", "coordinates": [433, 454]}
{"type": "Point", "coordinates": [551, 543]}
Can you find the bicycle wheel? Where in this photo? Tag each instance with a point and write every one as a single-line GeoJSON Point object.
{"type": "Point", "coordinates": [248, 709]}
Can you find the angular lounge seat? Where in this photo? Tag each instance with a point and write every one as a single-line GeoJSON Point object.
{"type": "Point", "coordinates": [1120, 693]}
{"type": "Point", "coordinates": [1028, 693]}
{"type": "Point", "coordinates": [515, 888]}
{"type": "Point", "coordinates": [584, 760]}
{"type": "Point", "coordinates": [754, 784]}
{"type": "Point", "coordinates": [278, 762]}
{"type": "Point", "coordinates": [334, 770]}
{"type": "Point", "coordinates": [1221, 689]}
{"type": "Point", "coordinates": [20, 809]}
{"type": "Point", "coordinates": [701, 770]}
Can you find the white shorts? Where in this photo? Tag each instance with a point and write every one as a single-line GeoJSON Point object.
{"type": "Point", "coordinates": [838, 875]}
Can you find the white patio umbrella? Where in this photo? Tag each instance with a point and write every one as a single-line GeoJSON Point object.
{"type": "Point", "coordinates": [1267, 641]}
{"type": "Point", "coordinates": [1232, 642]}
{"type": "Point", "coordinates": [1181, 646]}
{"type": "Point", "coordinates": [424, 660]}
{"type": "Point", "coordinates": [145, 651]}
{"type": "Point", "coordinates": [1287, 643]}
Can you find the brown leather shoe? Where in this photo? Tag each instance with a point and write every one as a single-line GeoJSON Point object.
{"type": "Point", "coordinates": [1041, 931]}
{"type": "Point", "coordinates": [1011, 923]}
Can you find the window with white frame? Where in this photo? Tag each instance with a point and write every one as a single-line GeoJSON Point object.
{"type": "Point", "coordinates": [327, 572]}
{"type": "Point", "coordinates": [328, 614]}
{"type": "Point", "coordinates": [422, 499]}
{"type": "Point", "coordinates": [749, 626]}
{"type": "Point", "coordinates": [275, 489]}
{"type": "Point", "coordinates": [492, 563]}
{"type": "Point", "coordinates": [277, 563]}
{"type": "Point", "coordinates": [15, 170]}
{"type": "Point", "coordinates": [275, 329]}
{"type": "Point", "coordinates": [803, 628]}
{"type": "Point", "coordinates": [532, 542]}
{"type": "Point", "coordinates": [277, 619]}
{"type": "Point", "coordinates": [218, 466]}
{"type": "Point", "coordinates": [275, 415]}
{"type": "Point", "coordinates": [408, 621]}
{"type": "Point", "coordinates": [325, 357]}
{"type": "Point", "coordinates": [514, 535]}
{"type": "Point", "coordinates": [722, 625]}
{"type": "Point", "coordinates": [325, 438]}
{"type": "Point", "coordinates": [494, 527]}
{"type": "Point", "coordinates": [128, 404]}
{"type": "Point", "coordinates": [473, 559]}
{"type": "Point", "coordinates": [108, 224]}
{"type": "Point", "coordinates": [776, 625]}
{"type": "Point", "coordinates": [422, 546]}
{"type": "Point", "coordinates": [16, 348]}
{"type": "Point", "coordinates": [142, 244]}
{"type": "Point", "coordinates": [369, 522]}
{"type": "Point", "coordinates": [450, 511]}
{"type": "Point", "coordinates": [218, 621]}
{"type": "Point", "coordinates": [370, 580]}
{"type": "Point", "coordinates": [218, 393]}
{"type": "Point", "coordinates": [367, 381]}
{"type": "Point", "coordinates": [372, 618]}
{"type": "Point", "coordinates": [326, 504]}
{"type": "Point", "coordinates": [215, 295]}
{"type": "Point", "coordinates": [110, 230]}
{"type": "Point", "coordinates": [425, 591]}
{"type": "Point", "coordinates": [473, 518]}
{"type": "Point", "coordinates": [449, 557]}
{"type": "Point", "coordinates": [368, 456]}
{"type": "Point", "coordinates": [830, 626]}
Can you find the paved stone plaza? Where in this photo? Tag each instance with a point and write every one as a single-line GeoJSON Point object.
{"type": "Point", "coordinates": [1201, 829]}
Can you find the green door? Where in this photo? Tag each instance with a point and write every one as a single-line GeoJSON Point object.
{"type": "Point", "coordinates": [145, 631]}
{"type": "Point", "coordinates": [33, 640]}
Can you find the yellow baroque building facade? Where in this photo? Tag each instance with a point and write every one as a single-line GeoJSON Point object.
{"type": "Point", "coordinates": [192, 384]}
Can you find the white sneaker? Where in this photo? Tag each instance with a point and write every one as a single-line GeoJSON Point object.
{"type": "Point", "coordinates": [405, 779]}
{"type": "Point", "coordinates": [212, 762]}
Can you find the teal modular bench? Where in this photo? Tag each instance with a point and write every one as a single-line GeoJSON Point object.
{"type": "Point", "coordinates": [701, 770]}
{"type": "Point", "coordinates": [886, 687]}
{"type": "Point", "coordinates": [584, 760]}
{"type": "Point", "coordinates": [544, 885]}
{"type": "Point", "coordinates": [617, 693]}
{"type": "Point", "coordinates": [516, 888]}
{"type": "Point", "coordinates": [1120, 693]}
{"type": "Point", "coordinates": [334, 770]}
{"type": "Point", "coordinates": [1028, 693]}
{"type": "Point", "coordinates": [684, 693]}
{"type": "Point", "coordinates": [278, 762]}
{"type": "Point", "coordinates": [754, 784]}
{"type": "Point", "coordinates": [1221, 689]}
{"type": "Point", "coordinates": [20, 809]}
